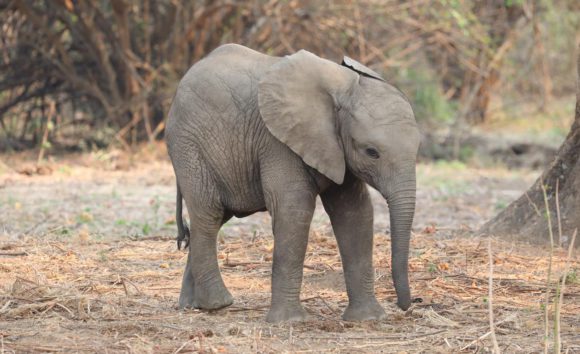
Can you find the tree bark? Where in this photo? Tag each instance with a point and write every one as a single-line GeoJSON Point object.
{"type": "Point", "coordinates": [526, 218]}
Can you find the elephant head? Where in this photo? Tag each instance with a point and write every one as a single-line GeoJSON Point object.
{"type": "Point", "coordinates": [345, 117]}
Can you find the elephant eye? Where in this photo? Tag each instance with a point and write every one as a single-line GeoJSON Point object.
{"type": "Point", "coordinates": [372, 153]}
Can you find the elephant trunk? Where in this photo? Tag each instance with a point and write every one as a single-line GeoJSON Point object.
{"type": "Point", "coordinates": [400, 194]}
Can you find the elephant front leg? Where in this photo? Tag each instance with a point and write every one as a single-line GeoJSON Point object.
{"type": "Point", "coordinates": [351, 214]}
{"type": "Point", "coordinates": [291, 223]}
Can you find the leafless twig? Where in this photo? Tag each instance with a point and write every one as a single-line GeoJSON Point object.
{"type": "Point", "coordinates": [549, 276]}
{"type": "Point", "coordinates": [13, 254]}
{"type": "Point", "coordinates": [558, 212]}
{"type": "Point", "coordinates": [490, 300]}
{"type": "Point", "coordinates": [557, 326]}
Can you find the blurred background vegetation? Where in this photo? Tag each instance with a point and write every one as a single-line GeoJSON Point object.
{"type": "Point", "coordinates": [82, 75]}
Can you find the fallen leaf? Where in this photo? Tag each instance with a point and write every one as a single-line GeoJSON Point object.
{"type": "Point", "coordinates": [83, 234]}
{"type": "Point", "coordinates": [86, 217]}
{"type": "Point", "coordinates": [430, 229]}
{"type": "Point", "coordinates": [269, 248]}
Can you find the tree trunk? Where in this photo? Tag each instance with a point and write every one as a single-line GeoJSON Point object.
{"type": "Point", "coordinates": [526, 217]}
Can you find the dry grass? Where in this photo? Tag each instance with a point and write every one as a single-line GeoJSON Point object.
{"type": "Point", "coordinates": [121, 296]}
{"type": "Point", "coordinates": [94, 289]}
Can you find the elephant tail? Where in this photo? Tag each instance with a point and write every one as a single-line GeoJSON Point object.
{"type": "Point", "coordinates": [182, 229]}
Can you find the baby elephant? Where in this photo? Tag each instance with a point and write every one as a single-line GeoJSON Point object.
{"type": "Point", "coordinates": [249, 132]}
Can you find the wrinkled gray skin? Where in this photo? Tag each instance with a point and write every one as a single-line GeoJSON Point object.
{"type": "Point", "coordinates": [249, 132]}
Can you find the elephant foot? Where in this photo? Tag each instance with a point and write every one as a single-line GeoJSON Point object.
{"type": "Point", "coordinates": [206, 298]}
{"type": "Point", "coordinates": [287, 313]}
{"type": "Point", "coordinates": [364, 311]}
{"type": "Point", "coordinates": [185, 302]}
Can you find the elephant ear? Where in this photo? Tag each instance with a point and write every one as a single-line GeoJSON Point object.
{"type": "Point", "coordinates": [297, 99]}
{"type": "Point", "coordinates": [359, 68]}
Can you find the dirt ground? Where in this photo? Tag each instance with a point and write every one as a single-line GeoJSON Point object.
{"type": "Point", "coordinates": [88, 263]}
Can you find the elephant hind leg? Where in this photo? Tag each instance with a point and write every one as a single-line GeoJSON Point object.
{"type": "Point", "coordinates": [202, 286]}
{"type": "Point", "coordinates": [186, 296]}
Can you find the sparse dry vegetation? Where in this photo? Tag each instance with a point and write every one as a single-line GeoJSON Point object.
{"type": "Point", "coordinates": [88, 260]}
{"type": "Point", "coordinates": [110, 68]}
{"type": "Point", "coordinates": [93, 289]}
